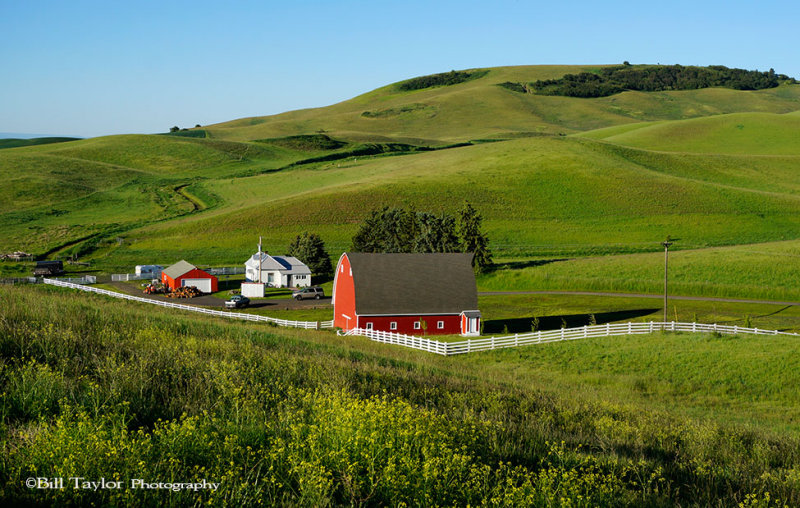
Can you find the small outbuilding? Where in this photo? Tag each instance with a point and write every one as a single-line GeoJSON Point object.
{"type": "Point", "coordinates": [183, 274]}
{"type": "Point", "coordinates": [406, 293]}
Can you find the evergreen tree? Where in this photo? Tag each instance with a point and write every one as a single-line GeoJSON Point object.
{"type": "Point", "coordinates": [310, 249]}
{"type": "Point", "coordinates": [435, 233]}
{"type": "Point", "coordinates": [472, 239]}
{"type": "Point", "coordinates": [386, 230]}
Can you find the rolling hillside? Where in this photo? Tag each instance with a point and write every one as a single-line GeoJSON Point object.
{"type": "Point", "coordinates": [480, 108]}
{"type": "Point", "coordinates": [737, 133]}
{"type": "Point", "coordinates": [712, 167]}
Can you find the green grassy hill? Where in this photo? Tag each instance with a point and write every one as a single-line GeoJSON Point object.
{"type": "Point", "coordinates": [712, 167]}
{"type": "Point", "coordinates": [480, 108]}
{"type": "Point", "coordinates": [15, 142]}
{"type": "Point", "coordinates": [739, 133]}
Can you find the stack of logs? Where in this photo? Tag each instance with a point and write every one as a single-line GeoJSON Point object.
{"type": "Point", "coordinates": [184, 292]}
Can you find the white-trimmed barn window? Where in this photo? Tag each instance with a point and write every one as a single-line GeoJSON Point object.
{"type": "Point", "coordinates": [393, 325]}
{"type": "Point", "coordinates": [417, 325]}
{"type": "Point", "coordinates": [369, 326]}
{"type": "Point", "coordinates": [440, 325]}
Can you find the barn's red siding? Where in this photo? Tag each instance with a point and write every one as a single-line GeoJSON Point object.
{"type": "Point", "coordinates": [405, 324]}
{"type": "Point", "coordinates": [344, 296]}
{"type": "Point", "coordinates": [191, 274]}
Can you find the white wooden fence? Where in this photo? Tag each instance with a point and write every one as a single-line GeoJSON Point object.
{"type": "Point", "coordinates": [225, 270]}
{"type": "Point", "coordinates": [117, 277]}
{"type": "Point", "coordinates": [192, 308]}
{"type": "Point", "coordinates": [86, 279]}
{"type": "Point", "coordinates": [541, 337]}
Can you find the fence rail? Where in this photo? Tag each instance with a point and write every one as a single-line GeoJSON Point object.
{"type": "Point", "coordinates": [86, 279]}
{"type": "Point", "coordinates": [20, 280]}
{"type": "Point", "coordinates": [192, 308]}
{"type": "Point", "coordinates": [225, 270]}
{"type": "Point", "coordinates": [542, 337]}
{"type": "Point", "coordinates": [117, 277]}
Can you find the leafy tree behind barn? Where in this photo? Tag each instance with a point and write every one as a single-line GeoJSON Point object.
{"type": "Point", "coordinates": [399, 230]}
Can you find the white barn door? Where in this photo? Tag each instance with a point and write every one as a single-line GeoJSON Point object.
{"type": "Point", "coordinates": [204, 285]}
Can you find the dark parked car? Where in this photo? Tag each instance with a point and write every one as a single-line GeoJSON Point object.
{"type": "Point", "coordinates": [237, 302]}
{"type": "Point", "coordinates": [306, 293]}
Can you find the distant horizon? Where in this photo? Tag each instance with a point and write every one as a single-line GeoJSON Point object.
{"type": "Point", "coordinates": [97, 68]}
{"type": "Point", "coordinates": [26, 135]}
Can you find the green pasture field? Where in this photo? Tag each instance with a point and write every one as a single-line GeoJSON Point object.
{"type": "Point", "coordinates": [517, 312]}
{"type": "Point", "coordinates": [100, 388]}
{"type": "Point", "coordinates": [738, 133]}
{"type": "Point", "coordinates": [760, 271]}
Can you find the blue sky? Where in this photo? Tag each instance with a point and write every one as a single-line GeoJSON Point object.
{"type": "Point", "coordinates": [93, 68]}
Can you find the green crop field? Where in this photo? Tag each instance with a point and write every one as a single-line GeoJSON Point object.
{"type": "Point", "coordinates": [118, 390]}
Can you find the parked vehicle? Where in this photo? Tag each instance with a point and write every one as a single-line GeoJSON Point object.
{"type": "Point", "coordinates": [315, 292]}
{"type": "Point", "coordinates": [237, 302]}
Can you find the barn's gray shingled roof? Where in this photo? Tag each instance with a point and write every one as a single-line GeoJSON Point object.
{"type": "Point", "coordinates": [413, 283]}
{"type": "Point", "coordinates": [178, 269]}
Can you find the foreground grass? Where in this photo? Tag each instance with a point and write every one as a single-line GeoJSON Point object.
{"type": "Point", "coordinates": [99, 388]}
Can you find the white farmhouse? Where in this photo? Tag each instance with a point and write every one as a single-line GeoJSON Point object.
{"type": "Point", "coordinates": [278, 271]}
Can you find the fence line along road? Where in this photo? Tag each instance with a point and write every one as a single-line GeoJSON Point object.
{"type": "Point", "coordinates": [225, 270]}
{"type": "Point", "coordinates": [542, 337]}
{"type": "Point", "coordinates": [192, 308]}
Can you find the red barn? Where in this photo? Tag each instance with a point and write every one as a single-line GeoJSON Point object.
{"type": "Point", "coordinates": [406, 293]}
{"type": "Point", "coordinates": [186, 274]}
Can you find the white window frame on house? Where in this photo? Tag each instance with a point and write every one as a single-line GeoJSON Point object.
{"type": "Point", "coordinates": [369, 326]}
{"type": "Point", "coordinates": [440, 325]}
{"type": "Point", "coordinates": [417, 325]}
{"type": "Point", "coordinates": [393, 325]}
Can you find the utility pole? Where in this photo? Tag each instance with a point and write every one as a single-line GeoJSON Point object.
{"type": "Point", "coordinates": [666, 245]}
{"type": "Point", "coordinates": [260, 264]}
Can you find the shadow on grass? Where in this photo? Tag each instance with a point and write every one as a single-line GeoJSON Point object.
{"type": "Point", "coordinates": [525, 325]}
{"type": "Point", "coordinates": [518, 265]}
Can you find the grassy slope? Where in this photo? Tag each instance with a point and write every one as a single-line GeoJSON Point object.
{"type": "Point", "coordinates": [15, 142]}
{"type": "Point", "coordinates": [759, 271]}
{"type": "Point", "coordinates": [54, 195]}
{"type": "Point", "coordinates": [540, 196]}
{"type": "Point", "coordinates": [480, 109]}
{"type": "Point", "coordinates": [112, 389]}
{"type": "Point", "coordinates": [740, 133]}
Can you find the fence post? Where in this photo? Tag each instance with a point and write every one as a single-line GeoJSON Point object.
{"type": "Point", "coordinates": [585, 331]}
{"type": "Point", "coordinates": [608, 329]}
{"type": "Point", "coordinates": [516, 339]}
{"type": "Point", "coordinates": [735, 329]}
